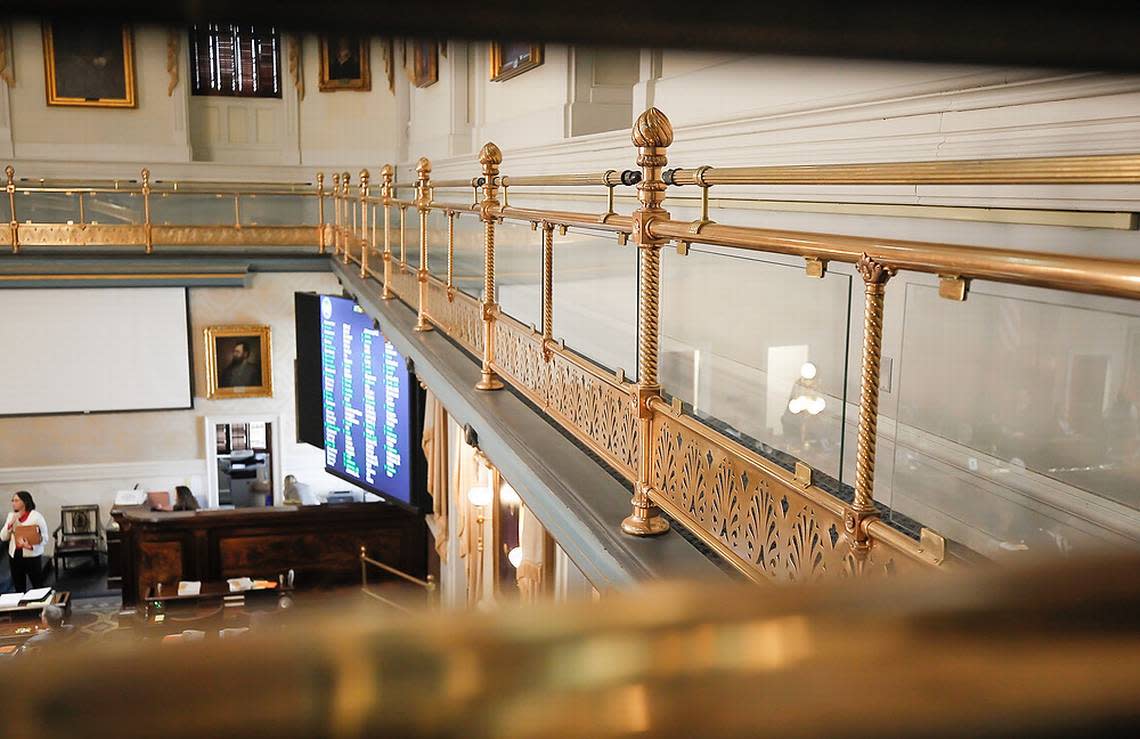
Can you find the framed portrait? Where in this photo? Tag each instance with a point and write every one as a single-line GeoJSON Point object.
{"type": "Point", "coordinates": [344, 63]}
{"type": "Point", "coordinates": [238, 362]}
{"type": "Point", "coordinates": [89, 64]}
{"type": "Point", "coordinates": [425, 63]}
{"type": "Point", "coordinates": [510, 59]}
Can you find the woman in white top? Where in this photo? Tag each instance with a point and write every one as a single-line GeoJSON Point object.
{"type": "Point", "coordinates": [26, 557]}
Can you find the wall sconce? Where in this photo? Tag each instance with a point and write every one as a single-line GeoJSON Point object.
{"type": "Point", "coordinates": [508, 496]}
{"type": "Point", "coordinates": [515, 557]}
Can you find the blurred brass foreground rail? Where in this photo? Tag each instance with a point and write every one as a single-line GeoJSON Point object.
{"type": "Point", "coordinates": [1052, 651]}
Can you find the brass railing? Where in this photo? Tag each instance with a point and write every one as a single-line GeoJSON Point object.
{"type": "Point", "coordinates": [769, 522]}
{"type": "Point", "coordinates": [428, 585]}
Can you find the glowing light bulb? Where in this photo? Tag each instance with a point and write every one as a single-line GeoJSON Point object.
{"type": "Point", "coordinates": [480, 495]}
{"type": "Point", "coordinates": [796, 404]}
{"type": "Point", "coordinates": [515, 557]}
{"type": "Point", "coordinates": [508, 496]}
{"type": "Point", "coordinates": [816, 405]}
{"type": "Point", "coordinates": [808, 371]}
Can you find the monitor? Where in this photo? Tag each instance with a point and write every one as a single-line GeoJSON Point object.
{"type": "Point", "coordinates": [367, 400]}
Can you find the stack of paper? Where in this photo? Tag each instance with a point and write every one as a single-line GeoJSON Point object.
{"type": "Point", "coordinates": [190, 587]}
{"type": "Point", "coordinates": [37, 595]}
{"type": "Point", "coordinates": [9, 600]}
{"type": "Point", "coordinates": [238, 584]}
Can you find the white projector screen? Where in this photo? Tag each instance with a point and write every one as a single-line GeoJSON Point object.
{"type": "Point", "coordinates": [80, 350]}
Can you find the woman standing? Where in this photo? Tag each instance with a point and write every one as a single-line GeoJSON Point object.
{"type": "Point", "coordinates": [26, 557]}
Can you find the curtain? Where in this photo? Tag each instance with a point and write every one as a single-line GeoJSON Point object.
{"type": "Point", "coordinates": [435, 449]}
{"type": "Point", "coordinates": [532, 539]}
{"type": "Point", "coordinates": [468, 473]}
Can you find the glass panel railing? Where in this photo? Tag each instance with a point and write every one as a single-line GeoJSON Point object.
{"type": "Point", "coordinates": [437, 244]}
{"type": "Point", "coordinates": [47, 207]}
{"type": "Point", "coordinates": [595, 298]}
{"type": "Point", "coordinates": [192, 209]}
{"type": "Point", "coordinates": [518, 271]}
{"type": "Point", "coordinates": [411, 218]}
{"type": "Point", "coordinates": [113, 207]}
{"type": "Point", "coordinates": [279, 210]}
{"type": "Point", "coordinates": [468, 275]}
{"type": "Point", "coordinates": [759, 350]}
{"type": "Point", "coordinates": [1019, 420]}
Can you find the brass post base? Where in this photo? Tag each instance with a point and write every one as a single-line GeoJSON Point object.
{"type": "Point", "coordinates": [644, 521]}
{"type": "Point", "coordinates": [423, 325]}
{"type": "Point", "coordinates": [488, 381]}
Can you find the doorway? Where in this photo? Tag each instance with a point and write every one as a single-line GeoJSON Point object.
{"type": "Point", "coordinates": [242, 460]}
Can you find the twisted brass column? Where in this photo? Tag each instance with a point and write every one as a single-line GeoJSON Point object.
{"type": "Point", "coordinates": [652, 135]}
{"type": "Point", "coordinates": [490, 157]}
{"type": "Point", "coordinates": [148, 227]}
{"type": "Point", "coordinates": [450, 255]}
{"type": "Point", "coordinates": [875, 276]}
{"type": "Point", "coordinates": [336, 212]}
{"type": "Point", "coordinates": [321, 211]}
{"type": "Point", "coordinates": [13, 224]}
{"type": "Point", "coordinates": [423, 205]}
{"type": "Point", "coordinates": [547, 289]}
{"type": "Point", "coordinates": [386, 196]}
{"type": "Point", "coordinates": [365, 246]}
{"type": "Point", "coordinates": [346, 218]}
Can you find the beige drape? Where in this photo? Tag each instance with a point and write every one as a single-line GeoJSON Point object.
{"type": "Point", "coordinates": [468, 473]}
{"type": "Point", "coordinates": [532, 540]}
{"type": "Point", "coordinates": [435, 449]}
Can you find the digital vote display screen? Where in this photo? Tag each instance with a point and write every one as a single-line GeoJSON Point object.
{"type": "Point", "coordinates": [366, 401]}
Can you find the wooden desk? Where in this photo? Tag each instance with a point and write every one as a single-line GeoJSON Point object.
{"type": "Point", "coordinates": [320, 543]}
{"type": "Point", "coordinates": [214, 607]}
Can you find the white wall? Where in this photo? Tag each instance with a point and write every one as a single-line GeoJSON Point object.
{"type": "Point", "coordinates": [73, 459]}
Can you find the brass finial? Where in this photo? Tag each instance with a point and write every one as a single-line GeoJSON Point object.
{"type": "Point", "coordinates": [345, 178]}
{"type": "Point", "coordinates": [652, 130]}
{"type": "Point", "coordinates": [386, 173]}
{"type": "Point", "coordinates": [490, 154]}
{"type": "Point", "coordinates": [10, 172]}
{"type": "Point", "coordinates": [320, 179]}
{"type": "Point", "coordinates": [364, 176]}
{"type": "Point", "coordinates": [423, 168]}
{"type": "Point", "coordinates": [145, 176]}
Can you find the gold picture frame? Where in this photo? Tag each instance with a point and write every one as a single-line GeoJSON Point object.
{"type": "Point", "coordinates": [231, 373]}
{"type": "Point", "coordinates": [424, 71]}
{"type": "Point", "coordinates": [510, 59]}
{"type": "Point", "coordinates": [344, 63]}
{"type": "Point", "coordinates": [89, 65]}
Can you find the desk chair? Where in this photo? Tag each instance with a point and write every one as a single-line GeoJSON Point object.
{"type": "Point", "coordinates": [80, 533]}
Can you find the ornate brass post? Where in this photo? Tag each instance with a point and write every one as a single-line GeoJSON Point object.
{"type": "Point", "coordinates": [423, 205]}
{"type": "Point", "coordinates": [875, 276]}
{"type": "Point", "coordinates": [346, 218]}
{"type": "Point", "coordinates": [652, 135]}
{"type": "Point", "coordinates": [13, 224]}
{"type": "Point", "coordinates": [547, 289]}
{"type": "Point", "coordinates": [386, 196]}
{"type": "Point", "coordinates": [336, 211]}
{"type": "Point", "coordinates": [321, 211]}
{"type": "Point", "coordinates": [147, 228]}
{"type": "Point", "coordinates": [365, 246]}
{"type": "Point", "coordinates": [490, 157]}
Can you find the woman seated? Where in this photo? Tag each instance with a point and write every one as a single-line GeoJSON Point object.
{"type": "Point", "coordinates": [184, 500]}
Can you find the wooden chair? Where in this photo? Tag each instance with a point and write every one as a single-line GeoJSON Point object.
{"type": "Point", "coordinates": [79, 534]}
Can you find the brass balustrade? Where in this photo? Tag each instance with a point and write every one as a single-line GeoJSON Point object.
{"type": "Point", "coordinates": [768, 522]}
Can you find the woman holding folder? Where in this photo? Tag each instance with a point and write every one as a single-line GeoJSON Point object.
{"type": "Point", "coordinates": [25, 531]}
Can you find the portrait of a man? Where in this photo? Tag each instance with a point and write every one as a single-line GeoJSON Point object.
{"type": "Point", "coordinates": [238, 361]}
{"type": "Point", "coordinates": [424, 71]}
{"type": "Point", "coordinates": [344, 63]}
{"type": "Point", "coordinates": [89, 64]}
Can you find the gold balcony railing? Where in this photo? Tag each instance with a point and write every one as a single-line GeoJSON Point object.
{"type": "Point", "coordinates": [771, 521]}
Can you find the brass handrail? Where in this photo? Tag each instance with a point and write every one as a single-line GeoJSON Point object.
{"type": "Point", "coordinates": [1067, 170]}
{"type": "Point", "coordinates": [609, 178]}
{"type": "Point", "coordinates": [1093, 275]}
{"type": "Point", "coordinates": [428, 584]}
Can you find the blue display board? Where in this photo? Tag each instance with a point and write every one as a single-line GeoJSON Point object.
{"type": "Point", "coordinates": [367, 402]}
